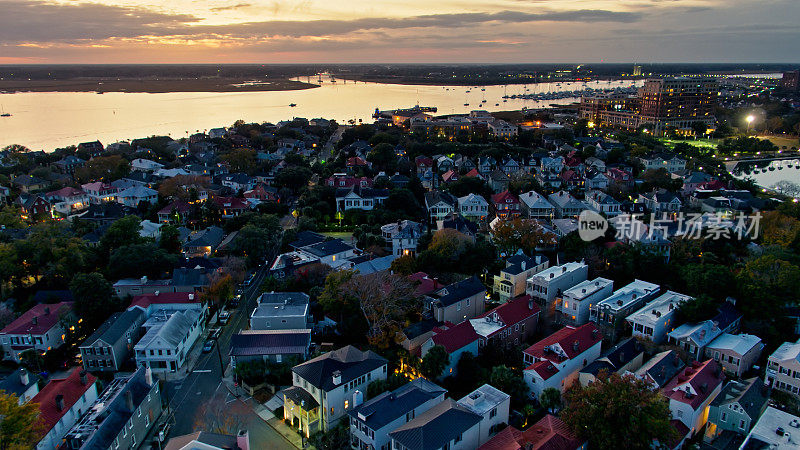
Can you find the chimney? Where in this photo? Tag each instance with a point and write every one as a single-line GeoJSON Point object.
{"type": "Point", "coordinates": [60, 402]}
{"type": "Point", "coordinates": [523, 265]}
{"type": "Point", "coordinates": [243, 440]}
{"type": "Point", "coordinates": [129, 400]}
{"type": "Point", "coordinates": [337, 378]}
{"type": "Point", "coordinates": [46, 310]}
{"type": "Point", "coordinates": [156, 293]}
{"type": "Point", "coordinates": [576, 345]}
{"type": "Point", "coordinates": [143, 280]}
{"type": "Point", "coordinates": [35, 320]}
{"type": "Point", "coordinates": [148, 376]}
{"type": "Point", "coordinates": [191, 296]}
{"type": "Point", "coordinates": [530, 304]}
{"type": "Point", "coordinates": [24, 379]}
{"type": "Point", "coordinates": [84, 378]}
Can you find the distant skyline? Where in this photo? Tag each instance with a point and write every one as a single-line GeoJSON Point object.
{"type": "Point", "coordinates": [413, 31]}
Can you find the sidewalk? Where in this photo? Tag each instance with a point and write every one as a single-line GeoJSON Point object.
{"type": "Point", "coordinates": [262, 411]}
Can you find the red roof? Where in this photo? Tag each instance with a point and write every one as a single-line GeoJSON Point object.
{"type": "Point", "coordinates": [514, 311]}
{"type": "Point", "coordinates": [712, 185]}
{"type": "Point", "coordinates": [46, 316]}
{"type": "Point", "coordinates": [572, 341]}
{"type": "Point", "coordinates": [549, 433]}
{"type": "Point", "coordinates": [70, 387]}
{"type": "Point", "coordinates": [455, 337]}
{"type": "Point", "coordinates": [473, 173]}
{"type": "Point", "coordinates": [700, 379]}
{"type": "Point", "coordinates": [231, 202]}
{"type": "Point", "coordinates": [423, 161]}
{"type": "Point", "coordinates": [545, 368]}
{"type": "Point", "coordinates": [426, 285]}
{"type": "Point", "coordinates": [504, 197]}
{"type": "Point", "coordinates": [163, 298]}
{"type": "Point", "coordinates": [450, 175]}
{"type": "Point", "coordinates": [65, 192]}
{"type": "Point", "coordinates": [356, 161]}
{"type": "Point", "coordinates": [178, 206]}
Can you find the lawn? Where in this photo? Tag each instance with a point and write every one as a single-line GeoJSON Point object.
{"type": "Point", "coordinates": [782, 141]}
{"type": "Point", "coordinates": [702, 143]}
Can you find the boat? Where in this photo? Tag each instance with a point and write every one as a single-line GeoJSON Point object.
{"type": "Point", "coordinates": [483, 89]}
{"type": "Point", "coordinates": [466, 104]}
{"type": "Point", "coordinates": [292, 104]}
{"type": "Point", "coordinates": [497, 104]}
{"type": "Point", "coordinates": [5, 114]}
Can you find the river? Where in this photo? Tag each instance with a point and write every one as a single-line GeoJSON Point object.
{"type": "Point", "coordinates": [49, 120]}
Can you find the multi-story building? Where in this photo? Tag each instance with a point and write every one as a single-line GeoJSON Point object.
{"type": "Point", "coordinates": [512, 279]}
{"type": "Point", "coordinates": [611, 312]}
{"type": "Point", "coordinates": [734, 412]}
{"type": "Point", "coordinates": [356, 197]}
{"type": "Point", "coordinates": [447, 425]}
{"type": "Point", "coordinates": [169, 337]}
{"type": "Point", "coordinates": [123, 415]}
{"type": "Point", "coordinates": [492, 405]}
{"type": "Point", "coordinates": [403, 236]}
{"type": "Point", "coordinates": [660, 369]}
{"type": "Point", "coordinates": [694, 337]}
{"type": "Point", "coordinates": [736, 353]}
{"type": "Point", "coordinates": [372, 421]}
{"type": "Point", "coordinates": [506, 205]}
{"type": "Point", "coordinates": [270, 345]}
{"type": "Point", "coordinates": [457, 302]}
{"type": "Point", "coordinates": [535, 206]}
{"type": "Point", "coordinates": [111, 344]}
{"type": "Point", "coordinates": [783, 368]}
{"type": "Point", "coordinates": [566, 205]}
{"type": "Point", "coordinates": [22, 384]}
{"type": "Point", "coordinates": [61, 403]}
{"type": "Point", "coordinates": [773, 431]}
{"type": "Point", "coordinates": [456, 340]}
{"type": "Point", "coordinates": [690, 393]}
{"type": "Point", "coordinates": [440, 205]}
{"type": "Point", "coordinates": [603, 204]}
{"type": "Point", "coordinates": [280, 311]}
{"type": "Point", "coordinates": [670, 162]}
{"type": "Point", "coordinates": [655, 319]}
{"type": "Point", "coordinates": [473, 206]}
{"type": "Point", "coordinates": [625, 357]}
{"type": "Point", "coordinates": [575, 303]}
{"type": "Point", "coordinates": [326, 388]}
{"type": "Point", "coordinates": [554, 361]}
{"type": "Point", "coordinates": [40, 328]}
{"type": "Point", "coordinates": [791, 80]}
{"type": "Point", "coordinates": [508, 324]}
{"type": "Point", "coordinates": [551, 283]}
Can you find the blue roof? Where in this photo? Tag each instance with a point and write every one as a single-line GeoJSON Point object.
{"type": "Point", "coordinates": [388, 406]}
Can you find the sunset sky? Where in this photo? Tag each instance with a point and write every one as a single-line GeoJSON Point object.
{"type": "Point", "coordinates": [267, 31]}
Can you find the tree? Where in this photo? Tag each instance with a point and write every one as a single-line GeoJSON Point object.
{"type": "Point", "coordinates": [240, 159]}
{"type": "Point", "coordinates": [293, 178]}
{"type": "Point", "coordinates": [404, 265]}
{"type": "Point", "coordinates": [258, 241]}
{"type": "Point", "coordinates": [124, 231]}
{"type": "Point", "coordinates": [699, 128]}
{"type": "Point", "coordinates": [134, 261]}
{"type": "Point", "coordinates": [106, 168]}
{"type": "Point", "coordinates": [219, 291]}
{"type": "Point", "coordinates": [180, 186]}
{"type": "Point", "coordinates": [617, 412]}
{"type": "Point", "coordinates": [521, 234]}
{"type": "Point", "coordinates": [510, 382]}
{"type": "Point", "coordinates": [550, 399]}
{"type": "Point", "coordinates": [334, 439]}
{"type": "Point", "coordinates": [169, 240]}
{"type": "Point", "coordinates": [94, 298]}
{"type": "Point", "coordinates": [434, 362]}
{"type": "Point", "coordinates": [21, 427]}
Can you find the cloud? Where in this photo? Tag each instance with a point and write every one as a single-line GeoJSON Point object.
{"type": "Point", "coordinates": [231, 7]}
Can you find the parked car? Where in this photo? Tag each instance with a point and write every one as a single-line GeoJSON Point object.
{"type": "Point", "coordinates": [214, 333]}
{"type": "Point", "coordinates": [209, 345]}
{"type": "Point", "coordinates": [224, 316]}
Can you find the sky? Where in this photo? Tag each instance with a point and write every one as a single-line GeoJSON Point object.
{"type": "Point", "coordinates": [408, 31]}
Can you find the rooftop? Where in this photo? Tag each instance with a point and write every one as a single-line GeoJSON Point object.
{"type": "Point", "coordinates": [484, 399]}
{"type": "Point", "coordinates": [566, 343]}
{"type": "Point", "coordinates": [774, 431]}
{"type": "Point", "coordinates": [587, 288]}
{"type": "Point", "coordinates": [39, 319]}
{"type": "Point", "coordinates": [435, 427]}
{"type": "Point", "coordinates": [270, 342]}
{"type": "Point", "coordinates": [629, 294]}
{"type": "Point", "coordinates": [737, 343]}
{"type": "Point", "coordinates": [349, 361]}
{"type": "Point", "coordinates": [558, 271]}
{"type": "Point", "coordinates": [388, 406]}
{"type": "Point", "coordinates": [695, 383]}
{"type": "Point", "coordinates": [665, 304]}
{"type": "Point", "coordinates": [70, 389]}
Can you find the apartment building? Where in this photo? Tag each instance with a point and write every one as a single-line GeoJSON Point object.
{"type": "Point", "coordinates": [550, 283]}
{"type": "Point", "coordinates": [575, 303]}
{"type": "Point", "coordinates": [655, 319]}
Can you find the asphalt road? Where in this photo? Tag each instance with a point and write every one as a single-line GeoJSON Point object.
{"type": "Point", "coordinates": [201, 402]}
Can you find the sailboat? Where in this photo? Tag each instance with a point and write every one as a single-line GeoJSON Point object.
{"type": "Point", "coordinates": [4, 113]}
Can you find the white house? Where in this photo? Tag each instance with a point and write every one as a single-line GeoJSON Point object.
{"type": "Point", "coordinates": [448, 425]}
{"type": "Point", "coordinates": [690, 393]}
{"type": "Point", "coordinates": [492, 405]}
{"type": "Point", "coordinates": [603, 203]}
{"type": "Point", "coordinates": [566, 205]}
{"type": "Point", "coordinates": [655, 319]}
{"type": "Point", "coordinates": [61, 403]}
{"type": "Point", "coordinates": [535, 206]}
{"type": "Point", "coordinates": [137, 194]}
{"type": "Point", "coordinates": [169, 337]}
{"type": "Point", "coordinates": [548, 284]}
{"type": "Point", "coordinates": [440, 204]}
{"type": "Point", "coordinates": [280, 311]}
{"type": "Point", "coordinates": [39, 328]}
{"type": "Point", "coordinates": [554, 361]}
{"type": "Point", "coordinates": [622, 302]}
{"type": "Point", "coordinates": [576, 302]}
{"type": "Point", "coordinates": [403, 236]}
{"type": "Point", "coordinates": [512, 280]}
{"type": "Point", "coordinates": [473, 206]}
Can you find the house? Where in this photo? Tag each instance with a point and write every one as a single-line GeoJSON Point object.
{"type": "Point", "coordinates": [269, 345]}
{"type": "Point", "coordinates": [603, 203]}
{"type": "Point", "coordinates": [498, 180]}
{"type": "Point", "coordinates": [566, 205]}
{"type": "Point", "coordinates": [343, 180]}
{"type": "Point", "coordinates": [262, 193]}
{"type": "Point", "coordinates": [620, 176]}
{"type": "Point", "coordinates": [139, 286]}
{"type": "Point", "coordinates": [28, 183]}
{"type": "Point", "coordinates": [21, 383]}
{"type": "Point", "coordinates": [610, 313]}
{"type": "Point", "coordinates": [238, 181]}
{"type": "Point", "coordinates": [34, 206]}
{"type": "Point", "coordinates": [548, 179]}
{"type": "Point", "coordinates": [660, 368]}
{"type": "Point", "coordinates": [280, 311]}
{"type": "Point", "coordinates": [690, 393]}
{"type": "Point", "coordinates": [655, 319]}
{"type": "Point", "coordinates": [546, 434]}
{"type": "Point", "coordinates": [783, 368]}
{"type": "Point", "coordinates": [492, 405]}
{"type": "Point", "coordinates": [5, 192]}
{"type": "Point", "coordinates": [210, 441]}
{"type": "Point", "coordinates": [694, 180]}
{"type": "Point", "coordinates": [694, 337]}
{"type": "Point", "coordinates": [734, 412]}
{"type": "Point", "coordinates": [175, 212]}
{"type": "Point", "coordinates": [661, 201]}
{"type": "Point", "coordinates": [736, 353]}
{"type": "Point", "coordinates": [457, 302]}
{"type": "Point", "coordinates": [69, 164]}
{"type": "Point", "coordinates": [456, 340]}
{"type": "Point", "coordinates": [403, 236]}
{"type": "Point", "coordinates": [94, 148]}
{"type": "Point", "coordinates": [372, 421]}
{"type": "Point", "coordinates": [513, 278]}
{"type": "Point", "coordinates": [625, 357]}
{"type": "Point", "coordinates": [230, 206]}
{"type": "Point", "coordinates": [356, 197]}
{"type": "Point", "coordinates": [169, 336]}
{"type": "Point", "coordinates": [508, 324]}
{"type": "Point", "coordinates": [554, 361]}
{"type": "Point", "coordinates": [450, 176]}
{"type": "Point", "coordinates": [107, 349]}
{"type": "Point", "coordinates": [100, 192]}
{"type": "Point", "coordinates": [773, 431]}
{"type": "Point", "coordinates": [550, 283]}
{"type": "Point", "coordinates": [440, 204]}
{"type": "Point", "coordinates": [61, 404]}
{"type": "Point", "coordinates": [596, 179]}
{"type": "Point", "coordinates": [145, 165]}
{"type": "Point", "coordinates": [123, 415]}
{"type": "Point", "coordinates": [334, 252]}
{"type": "Point", "coordinates": [324, 388]}
{"type": "Point", "coordinates": [535, 206]}
{"type": "Point", "coordinates": [133, 196]}
{"type": "Point", "coordinates": [668, 161]}
{"type": "Point", "coordinates": [575, 303]}
{"type": "Point", "coordinates": [203, 242]}
{"type": "Point", "coordinates": [40, 328]}
{"type": "Point", "coordinates": [486, 164]}
{"type": "Point", "coordinates": [506, 205]}
{"type": "Point", "coordinates": [446, 425]}
{"type": "Point", "coordinates": [473, 206]}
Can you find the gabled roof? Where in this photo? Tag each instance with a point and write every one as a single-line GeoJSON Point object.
{"type": "Point", "coordinates": [661, 368]}
{"type": "Point", "coordinates": [270, 342]}
{"type": "Point", "coordinates": [695, 383]}
{"type": "Point", "coordinates": [70, 387]}
{"type": "Point", "coordinates": [434, 197]}
{"type": "Point", "coordinates": [382, 410]}
{"type": "Point", "coordinates": [46, 316]}
{"type": "Point", "coordinates": [750, 394]}
{"type": "Point", "coordinates": [115, 327]}
{"type": "Point", "coordinates": [504, 197]}
{"type": "Point", "coordinates": [171, 332]}
{"type": "Point", "coordinates": [455, 337]}
{"type": "Point", "coordinates": [513, 311]}
{"type": "Point", "coordinates": [12, 383]}
{"type": "Point", "coordinates": [737, 343]}
{"type": "Point", "coordinates": [349, 361]}
{"type": "Point", "coordinates": [569, 342]}
{"type": "Point", "coordinates": [460, 290]}
{"type": "Point", "coordinates": [163, 298]}
{"type": "Point", "coordinates": [436, 426]}
{"type": "Point", "coordinates": [615, 358]}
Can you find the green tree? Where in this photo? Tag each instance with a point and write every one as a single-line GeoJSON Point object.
{"type": "Point", "coordinates": [617, 412]}
{"type": "Point", "coordinates": [550, 399]}
{"type": "Point", "coordinates": [122, 232]}
{"type": "Point", "coordinates": [134, 261]}
{"type": "Point", "coordinates": [434, 362]}
{"type": "Point", "coordinates": [94, 298]}
{"type": "Point", "coordinates": [21, 427]}
{"type": "Point", "coordinates": [510, 382]}
{"type": "Point", "coordinates": [334, 439]}
{"type": "Point", "coordinates": [169, 240]}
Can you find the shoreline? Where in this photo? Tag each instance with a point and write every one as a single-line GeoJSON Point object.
{"type": "Point", "coordinates": [152, 86]}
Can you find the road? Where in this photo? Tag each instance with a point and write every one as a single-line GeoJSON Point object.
{"type": "Point", "coordinates": [201, 402]}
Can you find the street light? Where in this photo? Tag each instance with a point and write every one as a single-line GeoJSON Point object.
{"type": "Point", "coordinates": [749, 120]}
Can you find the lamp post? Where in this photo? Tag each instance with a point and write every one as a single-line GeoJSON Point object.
{"type": "Point", "coordinates": [749, 120]}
